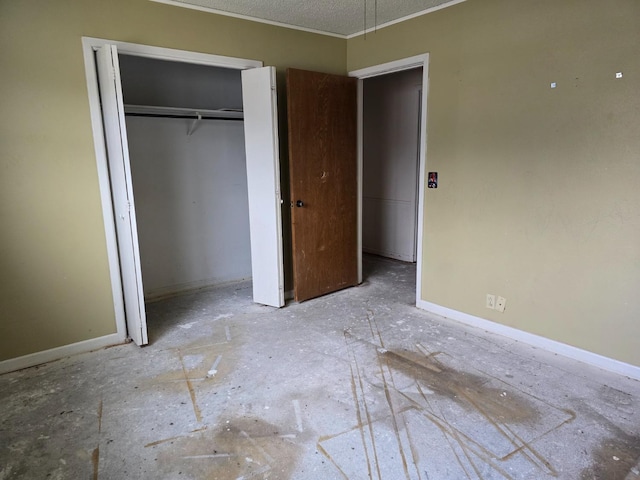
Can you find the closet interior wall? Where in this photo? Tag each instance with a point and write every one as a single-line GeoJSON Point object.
{"type": "Point", "coordinates": [391, 132]}
{"type": "Point", "coordinates": [189, 179]}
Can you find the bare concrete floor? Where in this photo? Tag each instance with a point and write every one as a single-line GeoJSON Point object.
{"type": "Point", "coordinates": [358, 384]}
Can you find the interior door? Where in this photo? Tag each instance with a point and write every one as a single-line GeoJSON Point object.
{"type": "Point", "coordinates": [122, 191]}
{"type": "Point", "coordinates": [322, 119]}
{"type": "Point", "coordinates": [263, 179]}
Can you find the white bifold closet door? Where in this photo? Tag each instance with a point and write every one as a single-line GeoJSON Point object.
{"type": "Point", "coordinates": [263, 181]}
{"type": "Point", "coordinates": [122, 191]}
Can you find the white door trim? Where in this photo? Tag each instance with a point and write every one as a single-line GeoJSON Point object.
{"type": "Point", "coordinates": [89, 46]}
{"type": "Point", "coordinates": [383, 69]}
{"type": "Point", "coordinates": [171, 54]}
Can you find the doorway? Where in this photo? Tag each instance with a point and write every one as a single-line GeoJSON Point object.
{"type": "Point", "coordinates": [391, 151]}
{"type": "Point", "coordinates": [420, 64]}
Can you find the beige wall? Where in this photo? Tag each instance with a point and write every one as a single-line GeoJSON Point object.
{"type": "Point", "coordinates": [55, 285]}
{"type": "Point", "coordinates": [539, 197]}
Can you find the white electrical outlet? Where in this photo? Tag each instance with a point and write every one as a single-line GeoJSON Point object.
{"type": "Point", "coordinates": [501, 303]}
{"type": "Point", "coordinates": [491, 301]}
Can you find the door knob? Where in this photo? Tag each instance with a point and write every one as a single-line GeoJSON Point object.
{"type": "Point", "coordinates": [299, 203]}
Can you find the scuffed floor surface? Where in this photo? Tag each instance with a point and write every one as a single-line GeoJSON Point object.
{"type": "Point", "coordinates": [356, 385]}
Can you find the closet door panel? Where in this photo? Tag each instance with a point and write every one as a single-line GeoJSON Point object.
{"type": "Point", "coordinates": [263, 181]}
{"type": "Point", "coordinates": [122, 191]}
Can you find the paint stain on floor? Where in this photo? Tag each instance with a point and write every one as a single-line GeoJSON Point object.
{"type": "Point", "coordinates": [486, 426]}
{"type": "Point", "coordinates": [242, 448]}
{"type": "Point", "coordinates": [469, 390]}
{"type": "Point", "coordinates": [616, 458]}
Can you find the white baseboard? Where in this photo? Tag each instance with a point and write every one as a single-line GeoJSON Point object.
{"type": "Point", "coordinates": [543, 343]}
{"type": "Point", "coordinates": [183, 288]}
{"type": "Point", "coordinates": [45, 356]}
{"type": "Point", "coordinates": [395, 256]}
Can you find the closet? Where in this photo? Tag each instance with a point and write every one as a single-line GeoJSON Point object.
{"type": "Point", "coordinates": [185, 136]}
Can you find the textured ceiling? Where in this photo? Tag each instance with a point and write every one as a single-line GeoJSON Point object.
{"type": "Point", "coordinates": [337, 17]}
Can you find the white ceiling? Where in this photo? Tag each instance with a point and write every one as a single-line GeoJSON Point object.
{"type": "Point", "coordinates": [343, 18]}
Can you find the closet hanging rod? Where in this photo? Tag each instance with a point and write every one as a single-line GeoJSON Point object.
{"type": "Point", "coordinates": [176, 112]}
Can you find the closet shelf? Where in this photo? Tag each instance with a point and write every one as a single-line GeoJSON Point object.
{"type": "Point", "coordinates": [151, 110]}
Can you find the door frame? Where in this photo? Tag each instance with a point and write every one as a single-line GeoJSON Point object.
{"type": "Point", "coordinates": [89, 46]}
{"type": "Point", "coordinates": [418, 61]}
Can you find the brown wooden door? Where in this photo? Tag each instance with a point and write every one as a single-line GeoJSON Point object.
{"type": "Point", "coordinates": [322, 121]}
